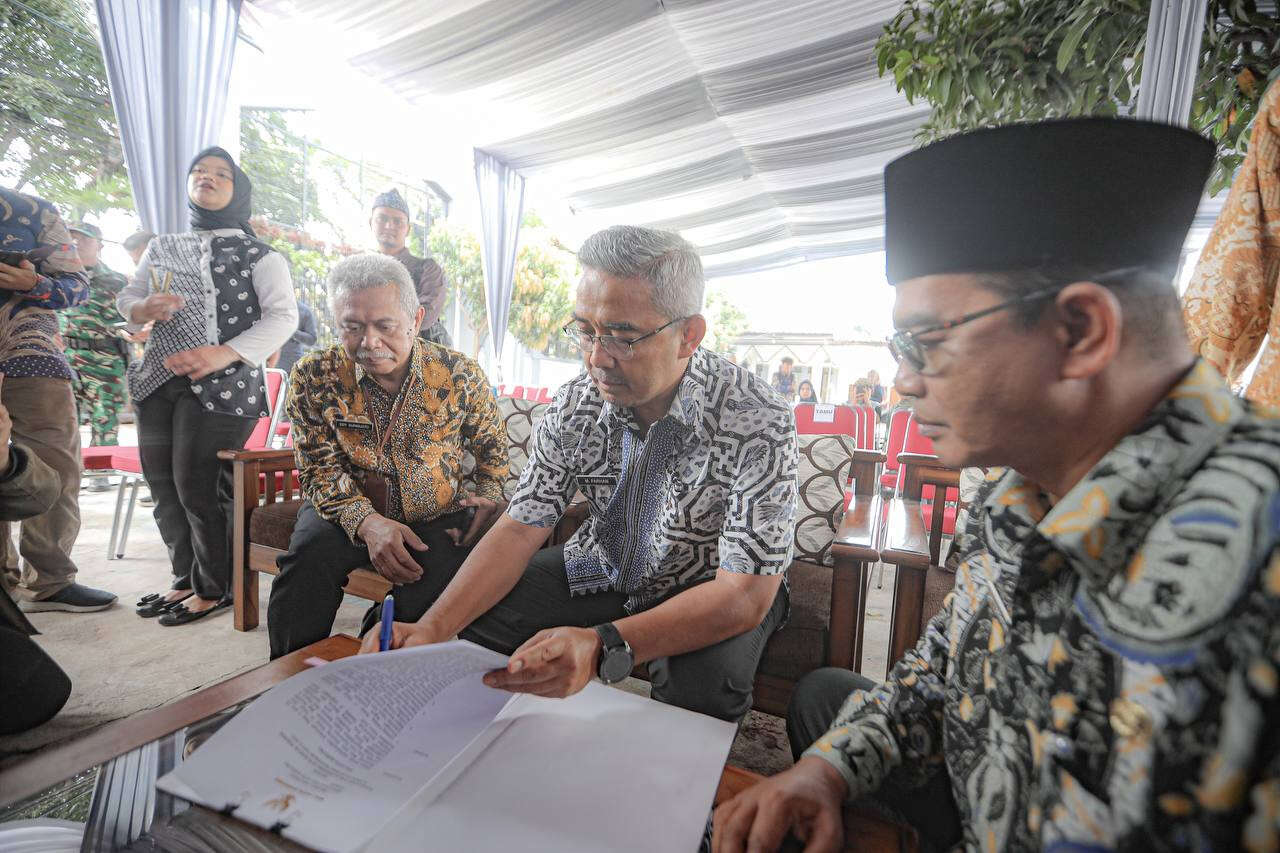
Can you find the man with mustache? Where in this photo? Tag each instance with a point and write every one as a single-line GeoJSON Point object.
{"type": "Point", "coordinates": [688, 464]}
{"type": "Point", "coordinates": [1106, 673]}
{"type": "Point", "coordinates": [381, 423]}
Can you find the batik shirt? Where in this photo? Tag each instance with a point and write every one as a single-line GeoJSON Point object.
{"type": "Point", "coordinates": [1104, 674]}
{"type": "Point", "coordinates": [28, 326]}
{"type": "Point", "coordinates": [728, 494]}
{"type": "Point", "coordinates": [449, 410]}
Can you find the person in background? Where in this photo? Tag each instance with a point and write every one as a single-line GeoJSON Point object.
{"type": "Point", "coordinates": [136, 244]}
{"type": "Point", "coordinates": [806, 394]}
{"type": "Point", "coordinates": [877, 390]}
{"type": "Point", "coordinates": [390, 224]}
{"type": "Point", "coordinates": [97, 354]}
{"type": "Point", "coordinates": [222, 301]}
{"type": "Point", "coordinates": [784, 381]}
{"type": "Point", "coordinates": [859, 394]}
{"type": "Point", "coordinates": [37, 393]}
{"type": "Point", "coordinates": [301, 341]}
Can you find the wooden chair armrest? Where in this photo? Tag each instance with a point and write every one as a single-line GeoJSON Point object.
{"type": "Point", "coordinates": [281, 454]}
{"type": "Point", "coordinates": [857, 536]}
{"type": "Point", "coordinates": [922, 460]}
{"type": "Point", "coordinates": [906, 540]}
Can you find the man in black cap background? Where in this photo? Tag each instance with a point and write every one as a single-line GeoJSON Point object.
{"type": "Point", "coordinates": [97, 353]}
{"type": "Point", "coordinates": [1105, 673]}
{"type": "Point", "coordinates": [390, 223]}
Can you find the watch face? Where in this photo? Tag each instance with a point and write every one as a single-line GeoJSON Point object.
{"type": "Point", "coordinates": [615, 666]}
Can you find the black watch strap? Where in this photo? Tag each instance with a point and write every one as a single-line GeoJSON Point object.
{"type": "Point", "coordinates": [610, 637]}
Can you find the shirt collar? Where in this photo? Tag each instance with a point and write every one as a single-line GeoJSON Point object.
{"type": "Point", "coordinates": [1100, 523]}
{"type": "Point", "coordinates": [686, 406]}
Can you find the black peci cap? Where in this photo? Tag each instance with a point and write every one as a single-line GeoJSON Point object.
{"type": "Point", "coordinates": [1103, 192]}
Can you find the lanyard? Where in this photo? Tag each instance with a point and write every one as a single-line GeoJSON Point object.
{"type": "Point", "coordinates": [405, 390]}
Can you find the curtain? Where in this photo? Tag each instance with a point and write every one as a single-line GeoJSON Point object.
{"type": "Point", "coordinates": [1170, 60]}
{"type": "Point", "coordinates": [168, 65]}
{"type": "Point", "coordinates": [501, 191]}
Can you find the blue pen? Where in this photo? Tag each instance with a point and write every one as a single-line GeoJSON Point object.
{"type": "Point", "coordinates": [388, 616]}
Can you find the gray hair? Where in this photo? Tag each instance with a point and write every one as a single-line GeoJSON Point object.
{"type": "Point", "coordinates": [369, 270]}
{"type": "Point", "coordinates": [664, 259]}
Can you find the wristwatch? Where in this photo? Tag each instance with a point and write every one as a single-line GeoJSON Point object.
{"type": "Point", "coordinates": [616, 658]}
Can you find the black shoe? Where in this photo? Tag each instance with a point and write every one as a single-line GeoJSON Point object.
{"type": "Point", "coordinates": [180, 615]}
{"type": "Point", "coordinates": [75, 598]}
{"type": "Point", "coordinates": [159, 606]}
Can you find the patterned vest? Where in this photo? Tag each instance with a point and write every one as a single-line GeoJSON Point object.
{"type": "Point", "coordinates": [216, 280]}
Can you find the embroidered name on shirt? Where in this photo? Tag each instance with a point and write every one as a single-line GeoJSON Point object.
{"type": "Point", "coordinates": [363, 426]}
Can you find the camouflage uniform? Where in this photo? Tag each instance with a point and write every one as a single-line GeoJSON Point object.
{"type": "Point", "coordinates": [98, 355]}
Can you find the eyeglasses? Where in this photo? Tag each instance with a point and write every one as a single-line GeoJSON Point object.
{"type": "Point", "coordinates": [620, 348]}
{"type": "Point", "coordinates": [906, 346]}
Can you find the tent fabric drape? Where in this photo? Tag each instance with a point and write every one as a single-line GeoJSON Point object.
{"type": "Point", "coordinates": [501, 191]}
{"type": "Point", "coordinates": [168, 64]}
{"type": "Point", "coordinates": [1170, 61]}
{"type": "Point", "coordinates": [757, 129]}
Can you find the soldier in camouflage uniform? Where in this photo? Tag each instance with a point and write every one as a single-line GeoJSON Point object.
{"type": "Point", "coordinates": [97, 353]}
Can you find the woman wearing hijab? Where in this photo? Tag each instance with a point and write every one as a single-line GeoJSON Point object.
{"type": "Point", "coordinates": [222, 303]}
{"type": "Point", "coordinates": [806, 394]}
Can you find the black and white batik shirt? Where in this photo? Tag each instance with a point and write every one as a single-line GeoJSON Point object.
{"type": "Point", "coordinates": [729, 493]}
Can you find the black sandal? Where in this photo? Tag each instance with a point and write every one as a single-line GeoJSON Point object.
{"type": "Point", "coordinates": [180, 615]}
{"type": "Point", "coordinates": [158, 605]}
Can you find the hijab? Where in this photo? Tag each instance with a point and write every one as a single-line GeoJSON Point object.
{"type": "Point", "coordinates": [236, 213]}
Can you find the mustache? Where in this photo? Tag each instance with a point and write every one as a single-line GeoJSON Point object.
{"type": "Point", "coordinates": [374, 353]}
{"type": "Point", "coordinates": [606, 376]}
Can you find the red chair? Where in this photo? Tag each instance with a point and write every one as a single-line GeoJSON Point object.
{"type": "Point", "coordinates": [904, 437]}
{"type": "Point", "coordinates": [518, 392]}
{"type": "Point", "coordinates": [866, 420]}
{"type": "Point", "coordinates": [126, 462]}
{"type": "Point", "coordinates": [843, 422]}
{"type": "Point", "coordinates": [544, 395]}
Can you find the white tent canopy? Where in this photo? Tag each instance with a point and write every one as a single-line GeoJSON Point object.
{"type": "Point", "coordinates": [758, 129]}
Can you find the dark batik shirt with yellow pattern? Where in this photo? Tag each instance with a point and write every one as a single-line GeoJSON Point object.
{"type": "Point", "coordinates": [1104, 675]}
{"type": "Point", "coordinates": [449, 411]}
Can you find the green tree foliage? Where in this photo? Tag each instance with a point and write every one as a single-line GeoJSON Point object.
{"type": "Point", "coordinates": [725, 321]}
{"type": "Point", "coordinates": [58, 133]}
{"type": "Point", "coordinates": [273, 155]}
{"type": "Point", "coordinates": [541, 300]}
{"type": "Point", "coordinates": [985, 62]}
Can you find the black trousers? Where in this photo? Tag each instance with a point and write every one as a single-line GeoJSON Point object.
{"type": "Point", "coordinates": [306, 594]}
{"type": "Point", "coordinates": [716, 680]}
{"type": "Point", "coordinates": [178, 442]}
{"type": "Point", "coordinates": [930, 809]}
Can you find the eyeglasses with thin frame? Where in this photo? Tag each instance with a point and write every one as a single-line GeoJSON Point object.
{"type": "Point", "coordinates": [620, 348]}
{"type": "Point", "coordinates": [906, 346]}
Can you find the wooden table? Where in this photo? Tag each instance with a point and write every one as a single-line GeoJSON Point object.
{"type": "Point", "coordinates": [52, 766]}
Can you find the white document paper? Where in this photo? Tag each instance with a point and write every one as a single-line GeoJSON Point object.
{"type": "Point", "coordinates": [824, 413]}
{"type": "Point", "coordinates": [381, 752]}
{"type": "Point", "coordinates": [328, 756]}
